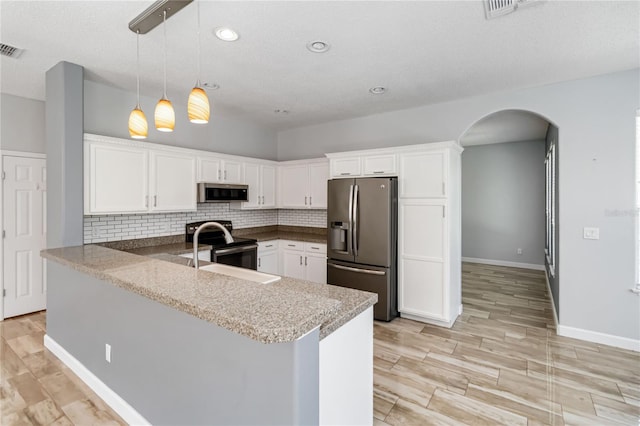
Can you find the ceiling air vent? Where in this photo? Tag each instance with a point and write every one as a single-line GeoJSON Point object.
{"type": "Point", "coordinates": [10, 51]}
{"type": "Point", "coordinates": [495, 8]}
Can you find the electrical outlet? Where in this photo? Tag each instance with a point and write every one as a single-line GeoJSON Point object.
{"type": "Point", "coordinates": [591, 233]}
{"type": "Point", "coordinates": [519, 251]}
{"type": "Point", "coordinates": [95, 232]}
{"type": "Point", "coordinates": [107, 352]}
{"type": "Point", "coordinates": [165, 228]}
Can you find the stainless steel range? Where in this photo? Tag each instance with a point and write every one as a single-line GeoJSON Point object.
{"type": "Point", "coordinates": [242, 252]}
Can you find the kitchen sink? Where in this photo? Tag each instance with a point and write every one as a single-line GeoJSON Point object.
{"type": "Point", "coordinates": [242, 273]}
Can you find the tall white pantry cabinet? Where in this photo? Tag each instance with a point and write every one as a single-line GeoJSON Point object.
{"type": "Point", "coordinates": [429, 223]}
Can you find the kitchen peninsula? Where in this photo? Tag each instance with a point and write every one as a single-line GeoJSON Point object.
{"type": "Point", "coordinates": [167, 344]}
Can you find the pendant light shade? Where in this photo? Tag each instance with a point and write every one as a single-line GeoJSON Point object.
{"type": "Point", "coordinates": [198, 105]}
{"type": "Point", "coordinates": [164, 116]}
{"type": "Point", "coordinates": [138, 128]}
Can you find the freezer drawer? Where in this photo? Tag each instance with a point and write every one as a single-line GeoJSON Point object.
{"type": "Point", "coordinates": [367, 278]}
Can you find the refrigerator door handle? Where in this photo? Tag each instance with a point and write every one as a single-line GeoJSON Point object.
{"type": "Point", "coordinates": [359, 270]}
{"type": "Point", "coordinates": [350, 231]}
{"type": "Point", "coordinates": [355, 220]}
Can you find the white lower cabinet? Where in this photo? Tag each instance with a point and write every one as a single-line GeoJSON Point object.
{"type": "Point", "coordinates": [305, 261]}
{"type": "Point", "coordinates": [268, 257]}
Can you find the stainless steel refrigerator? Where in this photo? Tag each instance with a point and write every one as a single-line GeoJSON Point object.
{"type": "Point", "coordinates": [362, 239]}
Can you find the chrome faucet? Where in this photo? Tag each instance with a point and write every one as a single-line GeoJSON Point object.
{"type": "Point", "coordinates": [227, 237]}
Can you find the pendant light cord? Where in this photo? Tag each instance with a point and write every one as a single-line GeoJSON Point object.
{"type": "Point", "coordinates": [164, 26]}
{"type": "Point", "coordinates": [138, 68]}
{"type": "Point", "coordinates": [199, 59]}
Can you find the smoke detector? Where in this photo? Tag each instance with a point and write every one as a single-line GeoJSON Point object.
{"type": "Point", "coordinates": [10, 51]}
{"type": "Point", "coordinates": [495, 8]}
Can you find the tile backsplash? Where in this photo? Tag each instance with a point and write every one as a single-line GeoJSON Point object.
{"type": "Point", "coordinates": [133, 226]}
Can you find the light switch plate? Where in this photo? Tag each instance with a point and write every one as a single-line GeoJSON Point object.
{"type": "Point", "coordinates": [591, 233]}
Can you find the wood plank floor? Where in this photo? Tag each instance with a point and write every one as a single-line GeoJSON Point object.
{"type": "Point", "coordinates": [501, 363]}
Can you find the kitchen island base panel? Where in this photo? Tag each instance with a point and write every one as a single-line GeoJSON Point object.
{"type": "Point", "coordinates": [174, 368]}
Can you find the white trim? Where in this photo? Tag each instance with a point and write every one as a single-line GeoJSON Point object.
{"type": "Point", "coordinates": [597, 337]}
{"type": "Point", "coordinates": [504, 263]}
{"type": "Point", "coordinates": [22, 154]}
{"type": "Point", "coordinates": [420, 318]}
{"type": "Point", "coordinates": [112, 399]}
{"type": "Point", "coordinates": [553, 305]}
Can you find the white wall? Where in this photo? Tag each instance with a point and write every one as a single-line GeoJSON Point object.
{"type": "Point", "coordinates": [21, 124]}
{"type": "Point", "coordinates": [503, 202]}
{"type": "Point", "coordinates": [107, 109]}
{"type": "Point", "coordinates": [596, 121]}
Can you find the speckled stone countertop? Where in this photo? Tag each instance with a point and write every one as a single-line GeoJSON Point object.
{"type": "Point", "coordinates": [268, 313]}
{"type": "Point", "coordinates": [282, 232]}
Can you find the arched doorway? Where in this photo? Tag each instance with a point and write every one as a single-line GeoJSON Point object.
{"type": "Point", "coordinates": [509, 197]}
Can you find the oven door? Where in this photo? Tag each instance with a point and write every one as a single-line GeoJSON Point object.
{"type": "Point", "coordinates": [242, 256]}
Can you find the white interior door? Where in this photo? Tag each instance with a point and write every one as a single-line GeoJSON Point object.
{"type": "Point", "coordinates": [24, 217]}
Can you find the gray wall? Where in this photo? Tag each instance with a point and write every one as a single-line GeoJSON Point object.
{"type": "Point", "coordinates": [107, 110]}
{"type": "Point", "coordinates": [596, 121]}
{"type": "Point", "coordinates": [503, 202]}
{"type": "Point", "coordinates": [64, 136]}
{"type": "Point", "coordinates": [554, 280]}
{"type": "Point", "coordinates": [187, 371]}
{"type": "Point", "coordinates": [22, 125]}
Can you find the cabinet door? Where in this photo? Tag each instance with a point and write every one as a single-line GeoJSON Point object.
{"type": "Point", "coordinates": [173, 182]}
{"type": "Point", "coordinates": [293, 264]}
{"type": "Point", "coordinates": [268, 262]}
{"type": "Point", "coordinates": [268, 186]}
{"type": "Point", "coordinates": [209, 170]}
{"type": "Point", "coordinates": [252, 179]}
{"type": "Point", "coordinates": [422, 248]}
{"type": "Point", "coordinates": [422, 175]}
{"type": "Point", "coordinates": [116, 179]}
{"type": "Point", "coordinates": [341, 167]}
{"type": "Point", "coordinates": [316, 268]}
{"type": "Point", "coordinates": [318, 177]}
{"type": "Point", "coordinates": [375, 165]}
{"type": "Point", "coordinates": [293, 186]}
{"type": "Point", "coordinates": [232, 172]}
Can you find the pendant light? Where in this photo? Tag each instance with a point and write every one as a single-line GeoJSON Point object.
{"type": "Point", "coordinates": [198, 104]}
{"type": "Point", "coordinates": [164, 115]}
{"type": "Point", "coordinates": [138, 128]}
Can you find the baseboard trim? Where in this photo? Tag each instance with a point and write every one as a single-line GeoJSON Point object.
{"type": "Point", "coordinates": [553, 305]}
{"type": "Point", "coordinates": [601, 338]}
{"type": "Point", "coordinates": [504, 263]}
{"type": "Point", "coordinates": [440, 323]}
{"type": "Point", "coordinates": [112, 399]}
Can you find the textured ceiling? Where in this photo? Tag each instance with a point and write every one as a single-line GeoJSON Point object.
{"type": "Point", "coordinates": [423, 51]}
{"type": "Point", "coordinates": [506, 126]}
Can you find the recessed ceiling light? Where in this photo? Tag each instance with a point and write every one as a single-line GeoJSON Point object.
{"type": "Point", "coordinates": [226, 34]}
{"type": "Point", "coordinates": [318, 46]}
{"type": "Point", "coordinates": [378, 90]}
{"type": "Point", "coordinates": [210, 86]}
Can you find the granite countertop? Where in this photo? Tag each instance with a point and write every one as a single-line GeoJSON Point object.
{"type": "Point", "coordinates": [268, 313]}
{"type": "Point", "coordinates": [175, 249]}
{"type": "Point", "coordinates": [282, 232]}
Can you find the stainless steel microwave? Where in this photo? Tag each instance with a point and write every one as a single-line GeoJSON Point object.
{"type": "Point", "coordinates": [222, 193]}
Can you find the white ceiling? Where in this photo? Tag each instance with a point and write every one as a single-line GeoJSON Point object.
{"type": "Point", "coordinates": [423, 51]}
{"type": "Point", "coordinates": [506, 126]}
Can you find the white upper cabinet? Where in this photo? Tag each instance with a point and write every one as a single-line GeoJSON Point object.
{"type": "Point", "coordinates": [261, 179]}
{"type": "Point", "coordinates": [345, 167]}
{"type": "Point", "coordinates": [303, 185]}
{"type": "Point", "coordinates": [124, 177]}
{"type": "Point", "coordinates": [379, 165]}
{"type": "Point", "coordinates": [214, 170]}
{"type": "Point", "coordinates": [173, 182]}
{"type": "Point", "coordinates": [116, 179]}
{"type": "Point", "coordinates": [423, 175]}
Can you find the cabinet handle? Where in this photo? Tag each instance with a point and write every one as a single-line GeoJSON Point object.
{"type": "Point", "coordinates": [305, 201]}
{"type": "Point", "coordinates": [218, 174]}
{"type": "Point", "coordinates": [225, 175]}
{"type": "Point", "coordinates": [263, 199]}
{"type": "Point", "coordinates": [155, 200]}
{"type": "Point", "coordinates": [315, 248]}
{"type": "Point", "coordinates": [310, 203]}
{"type": "Point", "coordinates": [378, 172]}
{"type": "Point", "coordinates": [443, 207]}
{"type": "Point", "coordinates": [269, 245]}
{"type": "Point", "coordinates": [345, 174]}
{"type": "Point", "coordinates": [291, 245]}
{"type": "Point", "coordinates": [259, 262]}
{"type": "Point", "coordinates": [301, 260]}
{"type": "Point", "coordinates": [146, 201]}
{"type": "Point", "coordinates": [305, 261]}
